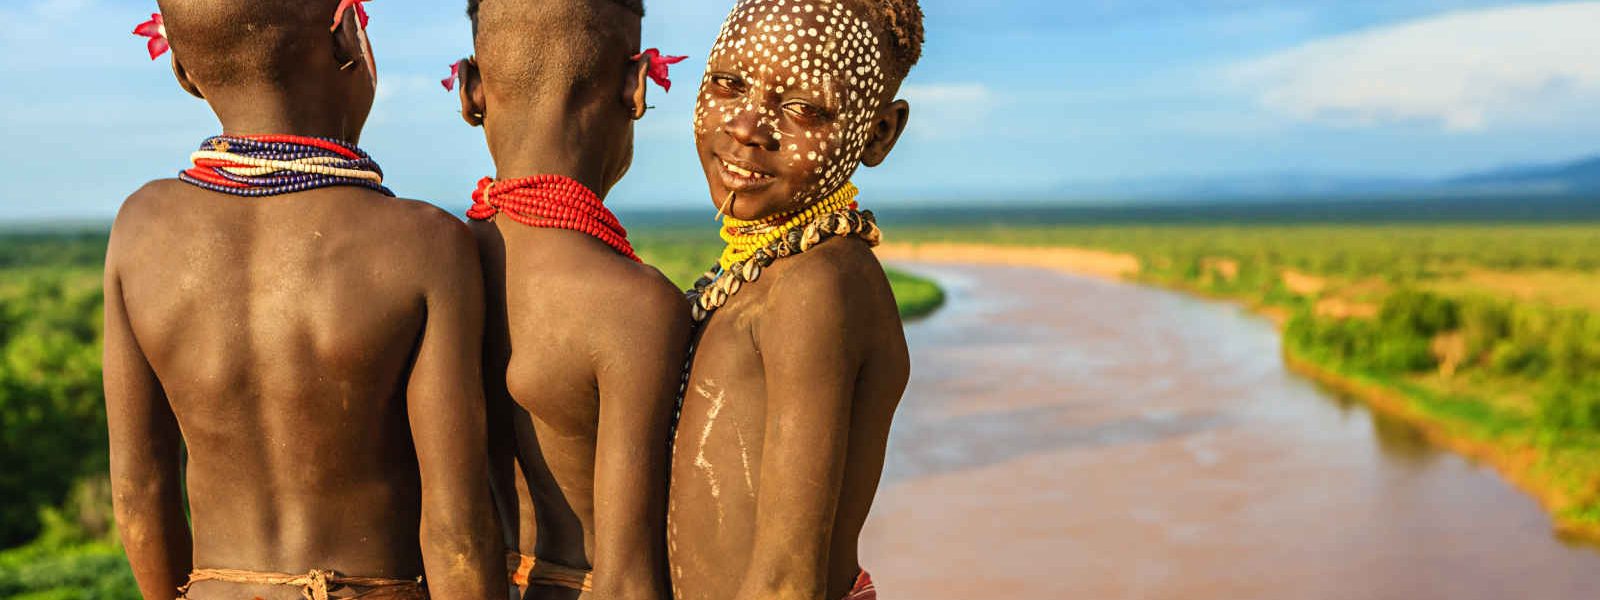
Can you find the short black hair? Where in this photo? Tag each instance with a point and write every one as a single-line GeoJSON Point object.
{"type": "Point", "coordinates": [532, 47]}
{"type": "Point", "coordinates": [255, 42]}
{"type": "Point", "coordinates": [637, 6]}
{"type": "Point", "coordinates": [901, 20]}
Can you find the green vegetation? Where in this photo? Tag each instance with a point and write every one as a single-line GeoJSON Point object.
{"type": "Point", "coordinates": [1490, 334]}
{"type": "Point", "coordinates": [53, 489]}
{"type": "Point", "coordinates": [916, 296]}
{"type": "Point", "coordinates": [94, 571]}
{"type": "Point", "coordinates": [55, 520]}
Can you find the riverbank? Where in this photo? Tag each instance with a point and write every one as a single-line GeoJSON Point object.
{"type": "Point", "coordinates": [1560, 467]}
{"type": "Point", "coordinates": [1518, 458]}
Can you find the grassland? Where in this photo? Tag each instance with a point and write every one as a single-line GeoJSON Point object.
{"type": "Point", "coordinates": [1485, 336]}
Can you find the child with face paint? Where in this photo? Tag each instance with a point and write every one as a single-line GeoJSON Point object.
{"type": "Point", "coordinates": [585, 343]}
{"type": "Point", "coordinates": [800, 360]}
{"type": "Point", "coordinates": [309, 340]}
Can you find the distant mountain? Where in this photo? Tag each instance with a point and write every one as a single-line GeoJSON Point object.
{"type": "Point", "coordinates": [1254, 186]}
{"type": "Point", "coordinates": [1581, 177]}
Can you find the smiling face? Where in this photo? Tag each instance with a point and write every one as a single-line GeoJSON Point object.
{"type": "Point", "coordinates": [788, 105]}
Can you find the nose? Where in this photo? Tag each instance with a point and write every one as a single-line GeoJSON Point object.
{"type": "Point", "coordinates": [749, 128]}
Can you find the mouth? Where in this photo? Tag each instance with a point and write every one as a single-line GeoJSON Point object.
{"type": "Point", "coordinates": [742, 177]}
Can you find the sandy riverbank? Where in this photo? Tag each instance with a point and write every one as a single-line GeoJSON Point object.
{"type": "Point", "coordinates": [1079, 261]}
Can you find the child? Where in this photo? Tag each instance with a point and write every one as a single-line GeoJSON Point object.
{"type": "Point", "coordinates": [801, 359]}
{"type": "Point", "coordinates": [309, 339]}
{"type": "Point", "coordinates": [586, 344]}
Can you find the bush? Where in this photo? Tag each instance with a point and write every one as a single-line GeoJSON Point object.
{"type": "Point", "coordinates": [1420, 314]}
{"type": "Point", "coordinates": [52, 409]}
{"type": "Point", "coordinates": [97, 571]}
{"type": "Point", "coordinates": [1511, 358]}
{"type": "Point", "coordinates": [1483, 325]}
{"type": "Point", "coordinates": [1571, 407]}
{"type": "Point", "coordinates": [1401, 354]}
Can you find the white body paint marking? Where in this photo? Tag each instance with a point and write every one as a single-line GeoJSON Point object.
{"type": "Point", "coordinates": [712, 392]}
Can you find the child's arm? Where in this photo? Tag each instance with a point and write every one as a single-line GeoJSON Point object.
{"type": "Point", "coordinates": [637, 394]}
{"type": "Point", "coordinates": [811, 344]}
{"type": "Point", "coordinates": [461, 548]}
{"type": "Point", "coordinates": [146, 479]}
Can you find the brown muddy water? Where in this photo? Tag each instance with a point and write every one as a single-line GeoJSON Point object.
{"type": "Point", "coordinates": [1068, 437]}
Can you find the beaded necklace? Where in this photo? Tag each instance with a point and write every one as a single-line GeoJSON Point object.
{"type": "Point", "coordinates": [753, 245]}
{"type": "Point", "coordinates": [745, 237]}
{"type": "Point", "coordinates": [553, 202]}
{"type": "Point", "coordinates": [271, 165]}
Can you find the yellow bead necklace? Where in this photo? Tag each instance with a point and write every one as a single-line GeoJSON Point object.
{"type": "Point", "coordinates": [745, 237]}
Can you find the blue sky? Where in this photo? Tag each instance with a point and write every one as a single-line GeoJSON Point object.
{"type": "Point", "coordinates": [1013, 99]}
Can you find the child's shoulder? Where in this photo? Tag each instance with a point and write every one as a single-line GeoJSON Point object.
{"type": "Point", "coordinates": [633, 310]}
{"type": "Point", "coordinates": [841, 272]}
{"type": "Point", "coordinates": [150, 197]}
{"type": "Point", "coordinates": [425, 233]}
{"type": "Point", "coordinates": [642, 291]}
{"type": "Point", "coordinates": [152, 205]}
{"type": "Point", "coordinates": [423, 217]}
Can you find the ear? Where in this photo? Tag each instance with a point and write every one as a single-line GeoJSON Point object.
{"type": "Point", "coordinates": [885, 132]}
{"type": "Point", "coordinates": [469, 84]}
{"type": "Point", "coordinates": [183, 79]}
{"type": "Point", "coordinates": [634, 86]}
{"type": "Point", "coordinates": [348, 47]}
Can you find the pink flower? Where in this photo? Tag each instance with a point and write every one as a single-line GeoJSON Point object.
{"type": "Point", "coordinates": [455, 72]}
{"type": "Point", "coordinates": [338, 14]}
{"type": "Point", "coordinates": [658, 66]}
{"type": "Point", "coordinates": [157, 32]}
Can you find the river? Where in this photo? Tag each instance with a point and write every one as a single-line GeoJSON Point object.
{"type": "Point", "coordinates": [1070, 437]}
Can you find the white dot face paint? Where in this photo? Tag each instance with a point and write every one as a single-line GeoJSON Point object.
{"type": "Point", "coordinates": [786, 109]}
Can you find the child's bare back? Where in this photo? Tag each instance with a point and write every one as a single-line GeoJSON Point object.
{"type": "Point", "coordinates": [585, 345]}
{"type": "Point", "coordinates": [282, 331]}
{"type": "Point", "coordinates": [310, 341]}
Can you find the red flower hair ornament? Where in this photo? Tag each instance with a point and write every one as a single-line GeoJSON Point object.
{"type": "Point", "coordinates": [658, 66]}
{"type": "Point", "coordinates": [157, 32]}
{"type": "Point", "coordinates": [455, 73]}
{"type": "Point", "coordinates": [344, 5]}
{"type": "Point", "coordinates": [156, 29]}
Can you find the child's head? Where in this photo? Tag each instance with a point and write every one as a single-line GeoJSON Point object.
{"type": "Point", "coordinates": [564, 60]}
{"type": "Point", "coordinates": [254, 58]}
{"type": "Point", "coordinates": [799, 93]}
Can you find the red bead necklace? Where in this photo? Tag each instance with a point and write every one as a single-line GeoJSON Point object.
{"type": "Point", "coordinates": [553, 202]}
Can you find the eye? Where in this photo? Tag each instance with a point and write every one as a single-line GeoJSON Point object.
{"type": "Point", "coordinates": [727, 84]}
{"type": "Point", "coordinates": [804, 111]}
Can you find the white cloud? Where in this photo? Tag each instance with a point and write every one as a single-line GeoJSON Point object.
{"type": "Point", "coordinates": [1463, 71]}
{"type": "Point", "coordinates": [945, 111]}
